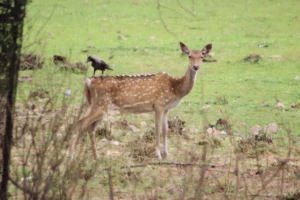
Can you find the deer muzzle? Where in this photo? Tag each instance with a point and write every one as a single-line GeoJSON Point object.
{"type": "Point", "coordinates": [196, 67]}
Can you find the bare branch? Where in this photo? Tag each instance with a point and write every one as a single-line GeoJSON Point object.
{"type": "Point", "coordinates": [185, 9]}
{"type": "Point", "coordinates": [199, 189]}
{"type": "Point", "coordinates": [162, 20]}
{"type": "Point", "coordinates": [174, 164]}
{"type": "Point", "coordinates": [111, 191]}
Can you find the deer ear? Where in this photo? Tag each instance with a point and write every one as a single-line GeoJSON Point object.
{"type": "Point", "coordinates": [184, 48]}
{"type": "Point", "coordinates": [207, 49]}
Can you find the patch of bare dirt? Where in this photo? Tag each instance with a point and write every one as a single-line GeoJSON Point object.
{"type": "Point", "coordinates": [142, 149]}
{"type": "Point", "coordinates": [40, 93]}
{"type": "Point", "coordinates": [57, 59]}
{"type": "Point", "coordinates": [63, 62]}
{"type": "Point", "coordinates": [31, 62]}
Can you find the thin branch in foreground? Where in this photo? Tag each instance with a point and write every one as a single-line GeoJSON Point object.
{"type": "Point", "coordinates": [111, 191]}
{"type": "Point", "coordinates": [174, 164]}
{"type": "Point", "coordinates": [162, 20]}
{"type": "Point", "coordinates": [24, 189]}
{"type": "Point", "coordinates": [219, 184]}
{"type": "Point", "coordinates": [281, 166]}
{"type": "Point", "coordinates": [36, 41]}
{"type": "Point", "coordinates": [167, 8]}
{"type": "Point", "coordinates": [185, 9]}
{"type": "Point", "coordinates": [237, 176]}
{"type": "Point", "coordinates": [199, 189]}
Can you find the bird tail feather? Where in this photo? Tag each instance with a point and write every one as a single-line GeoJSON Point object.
{"type": "Point", "coordinates": [108, 67]}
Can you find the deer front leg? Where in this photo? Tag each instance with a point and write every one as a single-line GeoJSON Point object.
{"type": "Point", "coordinates": [165, 133]}
{"type": "Point", "coordinates": [158, 129]}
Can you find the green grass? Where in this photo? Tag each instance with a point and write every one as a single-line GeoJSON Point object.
{"type": "Point", "coordinates": [235, 28]}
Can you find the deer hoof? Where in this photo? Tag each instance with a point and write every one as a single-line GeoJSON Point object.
{"type": "Point", "coordinates": [157, 153]}
{"type": "Point", "coordinates": [166, 154]}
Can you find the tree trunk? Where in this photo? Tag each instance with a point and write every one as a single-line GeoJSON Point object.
{"type": "Point", "coordinates": [12, 14]}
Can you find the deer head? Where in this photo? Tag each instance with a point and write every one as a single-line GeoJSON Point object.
{"type": "Point", "coordinates": [195, 56]}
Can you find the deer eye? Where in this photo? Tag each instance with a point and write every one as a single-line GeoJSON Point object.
{"type": "Point", "coordinates": [190, 56]}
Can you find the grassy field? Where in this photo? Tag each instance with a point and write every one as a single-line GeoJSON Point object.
{"type": "Point", "coordinates": [143, 37]}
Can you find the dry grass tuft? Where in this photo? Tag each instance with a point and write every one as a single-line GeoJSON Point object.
{"type": "Point", "coordinates": [66, 65]}
{"type": "Point", "coordinates": [31, 62]}
{"type": "Point", "coordinates": [142, 149]}
{"type": "Point", "coordinates": [252, 58]}
{"type": "Point", "coordinates": [176, 125]}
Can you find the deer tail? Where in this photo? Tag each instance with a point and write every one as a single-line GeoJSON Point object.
{"type": "Point", "coordinates": [87, 90]}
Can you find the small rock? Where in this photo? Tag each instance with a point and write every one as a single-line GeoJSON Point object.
{"type": "Point", "coordinates": [265, 104]}
{"type": "Point", "coordinates": [263, 45]}
{"type": "Point", "coordinates": [223, 132]}
{"type": "Point", "coordinates": [122, 37]}
{"type": "Point", "coordinates": [255, 130]}
{"type": "Point", "coordinates": [26, 179]}
{"type": "Point", "coordinates": [103, 141]}
{"type": "Point", "coordinates": [279, 105]}
{"type": "Point", "coordinates": [275, 56]}
{"type": "Point", "coordinates": [68, 93]}
{"type": "Point", "coordinates": [133, 128]}
{"type": "Point", "coordinates": [152, 38]}
{"type": "Point", "coordinates": [114, 153]}
{"type": "Point", "coordinates": [297, 78]}
{"type": "Point", "coordinates": [194, 130]}
{"type": "Point", "coordinates": [205, 107]}
{"type": "Point", "coordinates": [271, 128]}
{"type": "Point", "coordinates": [25, 79]}
{"type": "Point", "coordinates": [210, 130]}
{"type": "Point", "coordinates": [115, 142]}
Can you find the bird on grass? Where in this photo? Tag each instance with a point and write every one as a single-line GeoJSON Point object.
{"type": "Point", "coordinates": [98, 64]}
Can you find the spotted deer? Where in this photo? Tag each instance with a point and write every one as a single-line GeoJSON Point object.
{"type": "Point", "coordinates": [156, 93]}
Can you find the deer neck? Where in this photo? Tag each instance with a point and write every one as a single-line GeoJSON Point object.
{"type": "Point", "coordinates": [187, 82]}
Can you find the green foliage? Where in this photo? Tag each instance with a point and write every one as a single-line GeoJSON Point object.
{"type": "Point", "coordinates": [136, 37]}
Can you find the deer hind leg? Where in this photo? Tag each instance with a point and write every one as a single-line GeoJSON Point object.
{"type": "Point", "coordinates": [158, 129]}
{"type": "Point", "coordinates": [165, 128]}
{"type": "Point", "coordinates": [86, 122]}
{"type": "Point", "coordinates": [92, 138]}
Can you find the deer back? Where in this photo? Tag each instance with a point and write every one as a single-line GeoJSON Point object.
{"type": "Point", "coordinates": [139, 93]}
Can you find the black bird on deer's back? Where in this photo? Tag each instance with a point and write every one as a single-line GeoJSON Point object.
{"type": "Point", "coordinates": [98, 64]}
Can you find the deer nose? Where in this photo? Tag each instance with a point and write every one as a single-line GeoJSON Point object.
{"type": "Point", "coordinates": [196, 67]}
